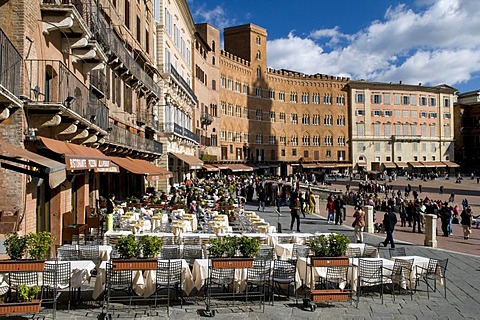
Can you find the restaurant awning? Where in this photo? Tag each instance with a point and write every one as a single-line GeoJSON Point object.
{"type": "Point", "coordinates": [389, 165]}
{"type": "Point", "coordinates": [193, 162]}
{"type": "Point", "coordinates": [139, 166]}
{"type": "Point", "coordinates": [433, 164]}
{"type": "Point", "coordinates": [401, 164]}
{"type": "Point", "coordinates": [260, 166]}
{"type": "Point", "coordinates": [451, 164]}
{"type": "Point", "coordinates": [343, 165]}
{"type": "Point", "coordinates": [239, 167]}
{"type": "Point", "coordinates": [221, 166]}
{"type": "Point", "coordinates": [54, 170]}
{"type": "Point", "coordinates": [416, 164]}
{"type": "Point", "coordinates": [77, 157]}
{"type": "Point", "coordinates": [309, 165]}
{"type": "Point", "coordinates": [210, 167]}
{"type": "Point", "coordinates": [326, 165]}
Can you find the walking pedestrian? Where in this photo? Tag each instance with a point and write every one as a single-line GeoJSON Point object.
{"type": "Point", "coordinates": [302, 203]}
{"type": "Point", "coordinates": [417, 217]}
{"type": "Point", "coordinates": [389, 222]}
{"type": "Point", "coordinates": [359, 224]}
{"type": "Point", "coordinates": [261, 198]}
{"type": "Point", "coordinates": [339, 206]}
{"type": "Point", "coordinates": [295, 210]}
{"type": "Point", "coordinates": [330, 211]}
{"type": "Point", "coordinates": [445, 216]}
{"type": "Point", "coordinates": [466, 221]}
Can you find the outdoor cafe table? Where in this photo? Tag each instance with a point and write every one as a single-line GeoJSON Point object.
{"type": "Point", "coordinates": [417, 261]}
{"type": "Point", "coordinates": [200, 274]}
{"type": "Point", "coordinates": [117, 233]}
{"type": "Point", "coordinates": [144, 283]}
{"type": "Point", "coordinates": [353, 270]}
{"type": "Point", "coordinates": [81, 271]}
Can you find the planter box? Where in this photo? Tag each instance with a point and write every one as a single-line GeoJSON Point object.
{"type": "Point", "coordinates": [21, 265]}
{"type": "Point", "coordinates": [134, 264]}
{"type": "Point", "coordinates": [20, 307]}
{"type": "Point", "coordinates": [329, 261]}
{"type": "Point", "coordinates": [232, 263]}
{"type": "Point", "coordinates": [329, 295]}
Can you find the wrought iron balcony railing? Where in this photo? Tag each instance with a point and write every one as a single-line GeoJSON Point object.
{"type": "Point", "coordinates": [106, 36]}
{"type": "Point", "coordinates": [174, 128]}
{"type": "Point", "coordinates": [182, 82]}
{"type": "Point", "coordinates": [10, 65]}
{"type": "Point", "coordinates": [124, 138]}
{"type": "Point", "coordinates": [51, 82]}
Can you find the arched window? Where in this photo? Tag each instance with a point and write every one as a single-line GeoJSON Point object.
{"type": "Point", "coordinates": [258, 55]}
{"type": "Point", "coordinates": [259, 72]}
{"type": "Point", "coordinates": [258, 40]}
{"type": "Point", "coordinates": [213, 46]}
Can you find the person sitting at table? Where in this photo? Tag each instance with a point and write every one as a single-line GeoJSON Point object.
{"type": "Point", "coordinates": [193, 206]}
{"type": "Point", "coordinates": [145, 213]}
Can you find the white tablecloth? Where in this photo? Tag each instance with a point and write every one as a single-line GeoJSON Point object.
{"type": "Point", "coordinates": [417, 261]}
{"type": "Point", "coordinates": [118, 233]}
{"type": "Point", "coordinates": [81, 271]}
{"type": "Point", "coordinates": [144, 284]}
{"type": "Point", "coordinates": [353, 271]}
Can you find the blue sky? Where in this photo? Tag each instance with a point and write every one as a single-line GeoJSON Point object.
{"type": "Point", "coordinates": [416, 41]}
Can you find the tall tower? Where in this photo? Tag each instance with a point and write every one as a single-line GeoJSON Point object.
{"type": "Point", "coordinates": [248, 42]}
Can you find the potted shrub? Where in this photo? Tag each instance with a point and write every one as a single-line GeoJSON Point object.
{"type": "Point", "coordinates": [37, 245]}
{"type": "Point", "coordinates": [233, 252]}
{"type": "Point", "coordinates": [25, 304]}
{"type": "Point", "coordinates": [150, 246]}
{"type": "Point", "coordinates": [329, 250]}
{"type": "Point", "coordinates": [15, 246]}
{"type": "Point", "coordinates": [129, 250]}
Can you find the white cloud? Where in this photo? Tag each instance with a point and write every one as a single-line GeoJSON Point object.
{"type": "Point", "coordinates": [216, 16]}
{"type": "Point", "coordinates": [436, 42]}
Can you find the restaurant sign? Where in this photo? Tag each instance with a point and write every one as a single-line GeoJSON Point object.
{"type": "Point", "coordinates": [74, 162]}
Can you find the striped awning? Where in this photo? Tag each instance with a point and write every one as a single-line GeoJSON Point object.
{"type": "Point", "coordinates": [451, 164]}
{"type": "Point", "coordinates": [389, 165]}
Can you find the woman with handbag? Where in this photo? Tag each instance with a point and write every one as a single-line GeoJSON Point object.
{"type": "Point", "coordinates": [359, 224]}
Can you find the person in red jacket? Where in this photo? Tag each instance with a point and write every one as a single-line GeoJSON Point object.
{"type": "Point", "coordinates": [330, 211]}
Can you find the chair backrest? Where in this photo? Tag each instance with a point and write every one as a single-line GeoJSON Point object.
{"type": "Point", "coordinates": [88, 252]}
{"type": "Point", "coordinates": [265, 253]}
{"type": "Point", "coordinates": [171, 251]}
{"type": "Point", "coordinates": [192, 252]}
{"type": "Point", "coordinates": [168, 240]}
{"type": "Point", "coordinates": [285, 239]}
{"type": "Point", "coordinates": [224, 275]}
{"type": "Point", "coordinates": [169, 272]}
{"type": "Point", "coordinates": [402, 268]}
{"type": "Point", "coordinates": [442, 267]}
{"type": "Point", "coordinates": [353, 252]}
{"type": "Point", "coordinates": [397, 252]}
{"type": "Point", "coordinates": [300, 251]}
{"type": "Point", "coordinates": [118, 279]}
{"type": "Point", "coordinates": [260, 272]}
{"type": "Point", "coordinates": [283, 270]}
{"type": "Point", "coordinates": [68, 253]}
{"type": "Point", "coordinates": [370, 271]}
{"type": "Point", "coordinates": [30, 279]}
{"type": "Point", "coordinates": [432, 266]}
{"type": "Point", "coordinates": [57, 275]}
{"type": "Point", "coordinates": [191, 240]}
{"type": "Point", "coordinates": [370, 252]}
{"type": "Point", "coordinates": [336, 275]}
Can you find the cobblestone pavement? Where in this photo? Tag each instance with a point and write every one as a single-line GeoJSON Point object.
{"type": "Point", "coordinates": [463, 279]}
